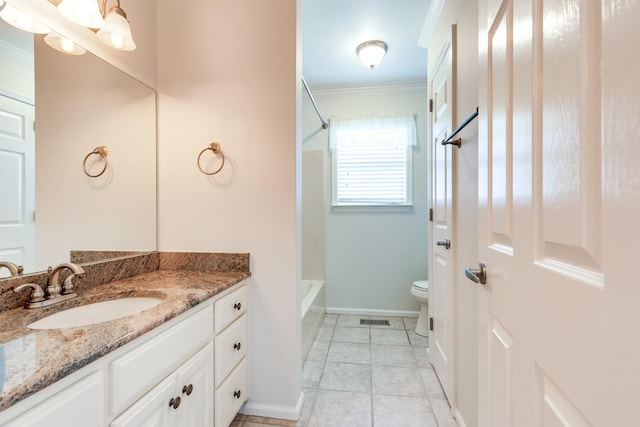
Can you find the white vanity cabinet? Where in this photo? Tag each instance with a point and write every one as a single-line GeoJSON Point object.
{"type": "Point", "coordinates": [83, 400]}
{"type": "Point", "coordinates": [197, 359]}
{"type": "Point", "coordinates": [182, 400]}
{"type": "Point", "coordinates": [231, 380]}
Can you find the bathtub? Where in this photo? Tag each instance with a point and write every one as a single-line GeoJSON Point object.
{"type": "Point", "coordinates": [313, 309]}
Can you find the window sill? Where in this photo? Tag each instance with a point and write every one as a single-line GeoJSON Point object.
{"type": "Point", "coordinates": [372, 208]}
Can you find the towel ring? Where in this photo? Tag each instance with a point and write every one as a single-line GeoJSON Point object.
{"type": "Point", "coordinates": [215, 148]}
{"type": "Point", "coordinates": [100, 151]}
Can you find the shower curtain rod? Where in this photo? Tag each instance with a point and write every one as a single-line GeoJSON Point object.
{"type": "Point", "coordinates": [324, 124]}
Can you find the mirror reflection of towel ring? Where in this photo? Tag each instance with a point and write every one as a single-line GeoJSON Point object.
{"type": "Point", "coordinates": [100, 151]}
{"type": "Point", "coordinates": [215, 148]}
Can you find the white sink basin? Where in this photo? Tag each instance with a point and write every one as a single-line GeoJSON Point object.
{"type": "Point", "coordinates": [95, 313]}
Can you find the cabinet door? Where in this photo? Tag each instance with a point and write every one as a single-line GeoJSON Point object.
{"type": "Point", "coordinates": [195, 386]}
{"type": "Point", "coordinates": [152, 410]}
{"type": "Point", "coordinates": [79, 405]}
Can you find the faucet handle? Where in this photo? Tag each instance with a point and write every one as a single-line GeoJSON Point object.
{"type": "Point", "coordinates": [37, 294]}
{"type": "Point", "coordinates": [67, 285]}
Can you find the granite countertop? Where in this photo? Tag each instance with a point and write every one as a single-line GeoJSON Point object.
{"type": "Point", "coordinates": [34, 359]}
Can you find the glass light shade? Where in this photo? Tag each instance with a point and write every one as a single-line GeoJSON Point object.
{"type": "Point", "coordinates": [372, 52]}
{"type": "Point", "coordinates": [21, 20]}
{"type": "Point", "coordinates": [83, 12]}
{"type": "Point", "coordinates": [63, 44]}
{"type": "Point", "coordinates": [116, 31]}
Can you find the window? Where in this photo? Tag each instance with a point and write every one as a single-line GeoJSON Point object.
{"type": "Point", "coordinates": [371, 160]}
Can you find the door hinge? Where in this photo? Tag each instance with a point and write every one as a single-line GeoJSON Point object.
{"type": "Point", "coordinates": [431, 214]}
{"type": "Point", "coordinates": [431, 105]}
{"type": "Point", "coordinates": [431, 323]}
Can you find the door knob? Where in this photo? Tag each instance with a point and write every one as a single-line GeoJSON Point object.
{"type": "Point", "coordinates": [478, 275]}
{"type": "Point", "coordinates": [445, 242]}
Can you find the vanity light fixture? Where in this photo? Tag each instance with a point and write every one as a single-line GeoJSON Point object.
{"type": "Point", "coordinates": [113, 27]}
{"type": "Point", "coordinates": [21, 20]}
{"type": "Point", "coordinates": [63, 44]}
{"type": "Point", "coordinates": [82, 12]}
{"type": "Point", "coordinates": [371, 52]}
{"type": "Point", "coordinates": [116, 31]}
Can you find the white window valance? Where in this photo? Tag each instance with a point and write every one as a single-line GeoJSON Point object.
{"type": "Point", "coordinates": [381, 129]}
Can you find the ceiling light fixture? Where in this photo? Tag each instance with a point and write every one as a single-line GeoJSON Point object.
{"type": "Point", "coordinates": [371, 52]}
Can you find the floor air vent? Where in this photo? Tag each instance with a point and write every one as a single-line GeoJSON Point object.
{"type": "Point", "coordinates": [374, 322]}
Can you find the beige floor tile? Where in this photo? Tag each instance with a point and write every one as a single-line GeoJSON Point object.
{"type": "Point", "coordinates": [318, 351]}
{"type": "Point", "coordinates": [442, 411]}
{"type": "Point", "coordinates": [349, 334]}
{"type": "Point", "coordinates": [432, 384]}
{"type": "Point", "coordinates": [402, 411]}
{"type": "Point", "coordinates": [351, 320]}
{"type": "Point", "coordinates": [349, 353]}
{"type": "Point", "coordinates": [311, 373]}
{"type": "Point", "coordinates": [393, 355]}
{"type": "Point", "coordinates": [394, 322]}
{"type": "Point", "coordinates": [417, 340]}
{"type": "Point", "coordinates": [329, 320]}
{"type": "Point", "coordinates": [422, 356]}
{"type": "Point", "coordinates": [346, 377]}
{"type": "Point", "coordinates": [341, 408]}
{"type": "Point", "coordinates": [410, 323]}
{"type": "Point", "coordinates": [325, 333]}
{"type": "Point", "coordinates": [307, 406]}
{"type": "Point", "coordinates": [397, 381]}
{"type": "Point", "coordinates": [389, 337]}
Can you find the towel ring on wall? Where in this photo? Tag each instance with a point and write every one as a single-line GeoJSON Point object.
{"type": "Point", "coordinates": [100, 151]}
{"type": "Point", "coordinates": [215, 148]}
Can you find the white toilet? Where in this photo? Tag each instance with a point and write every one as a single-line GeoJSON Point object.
{"type": "Point", "coordinates": [420, 290]}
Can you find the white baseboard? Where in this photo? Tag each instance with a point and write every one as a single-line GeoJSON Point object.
{"type": "Point", "coordinates": [372, 312]}
{"type": "Point", "coordinates": [458, 417]}
{"type": "Point", "coordinates": [273, 411]}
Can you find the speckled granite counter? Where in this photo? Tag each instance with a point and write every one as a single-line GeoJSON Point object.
{"type": "Point", "coordinates": [30, 359]}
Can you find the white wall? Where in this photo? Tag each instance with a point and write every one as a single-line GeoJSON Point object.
{"type": "Point", "coordinates": [229, 71]}
{"type": "Point", "coordinates": [373, 257]}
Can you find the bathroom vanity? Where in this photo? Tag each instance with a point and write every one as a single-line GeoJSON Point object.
{"type": "Point", "coordinates": [180, 363]}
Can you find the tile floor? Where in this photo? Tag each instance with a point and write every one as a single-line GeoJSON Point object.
{"type": "Point", "coordinates": [367, 376]}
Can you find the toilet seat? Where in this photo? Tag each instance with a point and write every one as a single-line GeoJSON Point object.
{"type": "Point", "coordinates": [421, 285]}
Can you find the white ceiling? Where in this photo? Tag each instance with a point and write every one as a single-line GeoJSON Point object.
{"type": "Point", "coordinates": [332, 29]}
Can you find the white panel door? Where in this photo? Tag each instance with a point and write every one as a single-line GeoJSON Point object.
{"type": "Point", "coordinates": [441, 271]}
{"type": "Point", "coordinates": [559, 198]}
{"type": "Point", "coordinates": [17, 183]}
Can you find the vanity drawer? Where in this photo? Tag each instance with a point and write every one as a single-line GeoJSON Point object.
{"type": "Point", "coordinates": [139, 370]}
{"type": "Point", "coordinates": [231, 395]}
{"type": "Point", "coordinates": [230, 307]}
{"type": "Point", "coordinates": [230, 348]}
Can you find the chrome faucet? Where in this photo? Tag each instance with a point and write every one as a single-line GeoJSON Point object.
{"type": "Point", "coordinates": [14, 269]}
{"type": "Point", "coordinates": [54, 293]}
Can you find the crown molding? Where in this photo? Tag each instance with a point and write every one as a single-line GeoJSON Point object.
{"type": "Point", "coordinates": [371, 90]}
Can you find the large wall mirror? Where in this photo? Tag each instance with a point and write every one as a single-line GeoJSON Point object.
{"type": "Point", "coordinates": [48, 204]}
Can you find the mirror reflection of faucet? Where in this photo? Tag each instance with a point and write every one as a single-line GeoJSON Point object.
{"type": "Point", "coordinates": [53, 293]}
{"type": "Point", "coordinates": [14, 269]}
